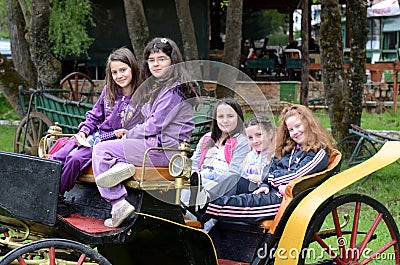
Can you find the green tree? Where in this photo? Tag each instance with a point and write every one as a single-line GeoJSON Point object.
{"type": "Point", "coordinates": [357, 19]}
{"type": "Point", "coordinates": [231, 53]}
{"type": "Point", "coordinates": [138, 28]}
{"type": "Point", "coordinates": [68, 27]}
{"type": "Point", "coordinates": [41, 33]}
{"type": "Point", "coordinates": [334, 76]}
{"type": "Point", "coordinates": [344, 90]}
{"type": "Point", "coordinates": [186, 27]}
{"type": "Point", "coordinates": [258, 24]}
{"type": "Point", "coordinates": [3, 21]}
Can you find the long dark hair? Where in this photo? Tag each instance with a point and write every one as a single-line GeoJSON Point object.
{"type": "Point", "coordinates": [177, 74]}
{"type": "Point", "coordinates": [123, 55]}
{"type": "Point", "coordinates": [216, 132]}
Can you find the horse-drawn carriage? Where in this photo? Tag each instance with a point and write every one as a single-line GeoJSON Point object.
{"type": "Point", "coordinates": [314, 225]}
{"type": "Point", "coordinates": [311, 221]}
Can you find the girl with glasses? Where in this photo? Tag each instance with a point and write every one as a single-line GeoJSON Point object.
{"type": "Point", "coordinates": [160, 114]}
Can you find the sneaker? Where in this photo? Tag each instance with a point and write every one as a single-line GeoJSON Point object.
{"type": "Point", "coordinates": [209, 225]}
{"type": "Point", "coordinates": [120, 215]}
{"type": "Point", "coordinates": [189, 216]}
{"type": "Point", "coordinates": [115, 175]}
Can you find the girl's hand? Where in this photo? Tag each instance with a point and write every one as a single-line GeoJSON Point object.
{"type": "Point", "coordinates": [81, 135]}
{"type": "Point", "coordinates": [120, 132]}
{"type": "Point", "coordinates": [261, 190]}
{"type": "Point", "coordinates": [282, 189]}
{"type": "Point", "coordinates": [256, 178]}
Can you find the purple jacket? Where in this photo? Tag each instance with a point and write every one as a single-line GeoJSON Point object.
{"type": "Point", "coordinates": [103, 118]}
{"type": "Point", "coordinates": [167, 122]}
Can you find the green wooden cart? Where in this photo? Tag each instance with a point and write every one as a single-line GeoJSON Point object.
{"type": "Point", "coordinates": [46, 108]}
{"type": "Point", "coordinates": [66, 105]}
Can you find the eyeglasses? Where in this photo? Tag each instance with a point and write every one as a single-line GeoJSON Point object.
{"type": "Point", "coordinates": [160, 60]}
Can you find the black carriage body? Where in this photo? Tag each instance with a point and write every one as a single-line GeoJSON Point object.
{"type": "Point", "coordinates": [29, 187]}
{"type": "Point", "coordinates": [29, 193]}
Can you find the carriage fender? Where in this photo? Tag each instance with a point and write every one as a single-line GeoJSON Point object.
{"type": "Point", "coordinates": [290, 244]}
{"type": "Point", "coordinates": [199, 244]}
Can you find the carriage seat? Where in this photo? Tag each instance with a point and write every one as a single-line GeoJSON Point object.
{"type": "Point", "coordinates": [300, 187]}
{"type": "Point", "coordinates": [295, 191]}
{"type": "Point", "coordinates": [150, 174]}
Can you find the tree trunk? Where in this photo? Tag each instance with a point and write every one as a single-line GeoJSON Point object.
{"type": "Point", "coordinates": [138, 28]}
{"type": "Point", "coordinates": [358, 30]}
{"type": "Point", "coordinates": [332, 65]}
{"type": "Point", "coordinates": [233, 39]}
{"type": "Point", "coordinates": [19, 45]}
{"type": "Point", "coordinates": [9, 82]}
{"type": "Point", "coordinates": [23, 4]}
{"type": "Point", "coordinates": [186, 27]}
{"type": "Point", "coordinates": [48, 67]}
{"type": "Point", "coordinates": [304, 51]}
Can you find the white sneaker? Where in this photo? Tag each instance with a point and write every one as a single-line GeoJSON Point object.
{"type": "Point", "coordinates": [120, 215]}
{"type": "Point", "coordinates": [209, 225]}
{"type": "Point", "coordinates": [189, 216]}
{"type": "Point", "coordinates": [115, 175]}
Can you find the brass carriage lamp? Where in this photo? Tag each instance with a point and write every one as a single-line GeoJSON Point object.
{"type": "Point", "coordinates": [179, 167]}
{"type": "Point", "coordinates": [180, 164]}
{"type": "Point", "coordinates": [54, 130]}
{"type": "Point", "coordinates": [48, 141]}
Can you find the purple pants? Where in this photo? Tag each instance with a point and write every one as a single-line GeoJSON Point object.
{"type": "Point", "coordinates": [73, 164]}
{"type": "Point", "coordinates": [108, 153]}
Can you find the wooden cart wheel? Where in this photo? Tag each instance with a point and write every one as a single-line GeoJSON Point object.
{"type": "Point", "coordinates": [37, 128]}
{"type": "Point", "coordinates": [347, 146]}
{"type": "Point", "coordinates": [352, 157]}
{"type": "Point", "coordinates": [352, 229]}
{"type": "Point", "coordinates": [54, 251]}
{"type": "Point", "coordinates": [78, 83]}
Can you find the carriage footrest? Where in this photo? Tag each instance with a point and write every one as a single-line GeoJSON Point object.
{"type": "Point", "coordinates": [87, 224]}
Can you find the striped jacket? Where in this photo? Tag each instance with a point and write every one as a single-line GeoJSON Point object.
{"type": "Point", "coordinates": [294, 165]}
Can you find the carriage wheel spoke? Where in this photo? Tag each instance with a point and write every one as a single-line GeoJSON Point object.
{"type": "Point", "coordinates": [339, 233]}
{"type": "Point", "coordinates": [52, 256]}
{"type": "Point", "coordinates": [353, 239]}
{"type": "Point", "coordinates": [81, 259]}
{"type": "Point", "coordinates": [369, 234]}
{"type": "Point", "coordinates": [21, 261]}
{"type": "Point", "coordinates": [328, 249]}
{"type": "Point", "coordinates": [378, 252]}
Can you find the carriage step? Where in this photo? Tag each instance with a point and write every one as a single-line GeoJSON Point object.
{"type": "Point", "coordinates": [87, 224]}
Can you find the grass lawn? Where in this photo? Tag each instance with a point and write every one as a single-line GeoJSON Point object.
{"type": "Point", "coordinates": [7, 138]}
